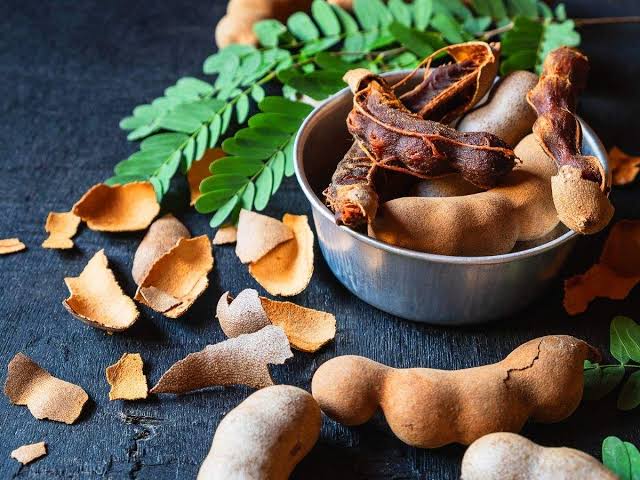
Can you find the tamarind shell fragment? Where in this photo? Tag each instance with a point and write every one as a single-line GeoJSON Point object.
{"type": "Point", "coordinates": [446, 91]}
{"type": "Point", "coordinates": [579, 189]}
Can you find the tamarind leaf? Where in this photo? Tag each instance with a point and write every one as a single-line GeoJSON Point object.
{"type": "Point", "coordinates": [365, 14]}
{"type": "Point", "coordinates": [349, 25]}
{"type": "Point", "coordinates": [165, 142]}
{"type": "Point", "coordinates": [223, 212]}
{"type": "Point", "coordinates": [319, 45]}
{"type": "Point", "coordinates": [268, 32]}
{"type": "Point", "coordinates": [202, 143]}
{"type": "Point", "coordinates": [215, 128]}
{"type": "Point", "coordinates": [560, 12]}
{"type": "Point", "coordinates": [422, 11]}
{"type": "Point", "coordinates": [420, 43]}
{"type": "Point", "coordinates": [282, 105]}
{"type": "Point", "coordinates": [624, 337]}
{"type": "Point", "coordinates": [285, 123]}
{"type": "Point", "coordinates": [277, 167]}
{"type": "Point", "coordinates": [616, 456]}
{"type": "Point", "coordinates": [289, 160]}
{"type": "Point", "coordinates": [400, 11]}
{"type": "Point", "coordinates": [451, 30]}
{"type": "Point", "coordinates": [452, 8]}
{"type": "Point", "coordinates": [211, 201]}
{"type": "Point", "coordinates": [326, 18]}
{"type": "Point", "coordinates": [527, 8]}
{"type": "Point", "coordinates": [242, 108]}
{"type": "Point", "coordinates": [257, 93]}
{"type": "Point", "coordinates": [477, 25]}
{"type": "Point", "coordinates": [599, 381]}
{"type": "Point", "coordinates": [629, 397]}
{"type": "Point", "coordinates": [236, 165]}
{"type": "Point", "coordinates": [302, 27]}
{"type": "Point", "coordinates": [248, 194]}
{"type": "Point", "coordinates": [222, 181]}
{"type": "Point", "coordinates": [264, 186]}
{"type": "Point", "coordinates": [317, 85]}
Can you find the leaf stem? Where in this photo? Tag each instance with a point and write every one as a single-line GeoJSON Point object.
{"type": "Point", "coordinates": [612, 365]}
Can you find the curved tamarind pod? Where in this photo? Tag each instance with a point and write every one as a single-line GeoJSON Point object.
{"type": "Point", "coordinates": [541, 380]}
{"type": "Point", "coordinates": [264, 437]}
{"type": "Point", "coordinates": [451, 90]}
{"type": "Point", "coordinates": [485, 223]}
{"type": "Point", "coordinates": [352, 194]}
{"type": "Point", "coordinates": [579, 188]}
{"type": "Point", "coordinates": [399, 140]}
{"type": "Point", "coordinates": [508, 455]}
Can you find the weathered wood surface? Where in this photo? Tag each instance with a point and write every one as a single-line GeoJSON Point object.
{"type": "Point", "coordinates": [69, 71]}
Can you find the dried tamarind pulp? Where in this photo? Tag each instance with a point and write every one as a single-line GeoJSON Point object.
{"type": "Point", "coordinates": [406, 144]}
{"type": "Point", "coordinates": [579, 188]}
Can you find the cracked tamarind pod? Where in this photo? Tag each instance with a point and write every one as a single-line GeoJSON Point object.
{"type": "Point", "coordinates": [579, 189]}
{"type": "Point", "coordinates": [541, 380]}
{"type": "Point", "coordinates": [445, 92]}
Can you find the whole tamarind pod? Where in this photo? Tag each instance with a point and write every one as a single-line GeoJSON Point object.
{"type": "Point", "coordinates": [502, 455]}
{"type": "Point", "coordinates": [450, 88]}
{"type": "Point", "coordinates": [396, 139]}
{"type": "Point", "coordinates": [579, 189]}
{"type": "Point", "coordinates": [541, 380]}
{"type": "Point", "coordinates": [264, 437]}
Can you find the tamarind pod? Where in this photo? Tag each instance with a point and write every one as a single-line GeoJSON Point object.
{"type": "Point", "coordinates": [502, 455]}
{"type": "Point", "coordinates": [541, 380]}
{"type": "Point", "coordinates": [264, 437]}
{"type": "Point", "coordinates": [451, 88]}
{"type": "Point", "coordinates": [449, 91]}
{"type": "Point", "coordinates": [399, 140]}
{"type": "Point", "coordinates": [579, 188]}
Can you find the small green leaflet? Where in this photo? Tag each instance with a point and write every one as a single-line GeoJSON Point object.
{"type": "Point", "coordinates": [257, 158]}
{"type": "Point", "coordinates": [622, 458]}
{"type": "Point", "coordinates": [599, 381]}
{"type": "Point", "coordinates": [625, 339]}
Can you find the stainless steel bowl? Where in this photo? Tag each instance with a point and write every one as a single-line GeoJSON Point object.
{"type": "Point", "coordinates": [419, 286]}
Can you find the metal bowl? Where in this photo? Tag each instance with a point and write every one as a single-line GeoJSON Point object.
{"type": "Point", "coordinates": [418, 286]}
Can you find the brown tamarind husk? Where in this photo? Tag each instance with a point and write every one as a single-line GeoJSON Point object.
{"type": "Point", "coordinates": [485, 223]}
{"type": "Point", "coordinates": [580, 189]}
{"type": "Point", "coordinates": [541, 381]}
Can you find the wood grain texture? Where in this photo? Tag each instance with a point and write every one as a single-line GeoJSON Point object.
{"type": "Point", "coordinates": [69, 72]}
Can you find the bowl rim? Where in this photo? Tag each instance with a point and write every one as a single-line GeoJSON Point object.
{"type": "Point", "coordinates": [319, 206]}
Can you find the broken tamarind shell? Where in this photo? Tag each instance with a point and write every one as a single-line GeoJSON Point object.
{"type": "Point", "coordinates": [579, 189]}
{"type": "Point", "coordinates": [454, 87]}
{"type": "Point", "coordinates": [541, 380]}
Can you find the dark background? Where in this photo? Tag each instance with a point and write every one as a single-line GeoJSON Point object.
{"type": "Point", "coordinates": [69, 71]}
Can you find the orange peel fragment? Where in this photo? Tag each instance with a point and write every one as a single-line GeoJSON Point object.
{"type": "Point", "coordinates": [200, 170]}
{"type": "Point", "coordinates": [28, 453]}
{"type": "Point", "coordinates": [258, 235]}
{"type": "Point", "coordinates": [242, 360]}
{"type": "Point", "coordinates": [226, 235]}
{"type": "Point", "coordinates": [624, 167]}
{"type": "Point", "coordinates": [11, 245]}
{"type": "Point", "coordinates": [118, 208]}
{"type": "Point", "coordinates": [308, 330]}
{"type": "Point", "coordinates": [178, 277]}
{"type": "Point", "coordinates": [287, 269]}
{"type": "Point", "coordinates": [126, 378]}
{"type": "Point", "coordinates": [44, 395]}
{"type": "Point", "coordinates": [97, 299]}
{"type": "Point", "coordinates": [61, 227]}
{"type": "Point", "coordinates": [614, 276]}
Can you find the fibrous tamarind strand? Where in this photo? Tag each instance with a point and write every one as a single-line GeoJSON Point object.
{"type": "Point", "coordinates": [453, 87]}
{"type": "Point", "coordinates": [579, 189]}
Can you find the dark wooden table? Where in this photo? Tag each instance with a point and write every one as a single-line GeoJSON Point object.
{"type": "Point", "coordinates": [69, 71]}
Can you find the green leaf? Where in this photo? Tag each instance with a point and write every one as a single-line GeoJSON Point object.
{"type": "Point", "coordinates": [599, 381]}
{"type": "Point", "coordinates": [214, 130]}
{"type": "Point", "coordinates": [248, 194]}
{"type": "Point", "coordinates": [277, 167]}
{"type": "Point", "coordinates": [282, 122]}
{"type": "Point", "coordinates": [242, 108]}
{"type": "Point", "coordinates": [233, 147]}
{"type": "Point", "coordinates": [365, 14]}
{"type": "Point", "coordinates": [226, 118]}
{"type": "Point", "coordinates": [450, 29]}
{"type": "Point", "coordinates": [423, 9]}
{"type": "Point", "coordinates": [617, 457]}
{"type": "Point", "coordinates": [223, 181]}
{"type": "Point", "coordinates": [421, 43]}
{"type": "Point", "coordinates": [159, 188]}
{"type": "Point", "coordinates": [163, 142]}
{"type": "Point", "coordinates": [237, 166]}
{"type": "Point", "coordinates": [180, 122]}
{"type": "Point", "coordinates": [629, 397]}
{"type": "Point", "coordinates": [257, 93]}
{"type": "Point", "coordinates": [202, 142]}
{"type": "Point", "coordinates": [223, 212]}
{"type": "Point", "coordinates": [326, 18]}
{"type": "Point", "coordinates": [123, 179]}
{"type": "Point", "coordinates": [284, 106]}
{"type": "Point", "coordinates": [250, 63]}
{"type": "Point", "coordinates": [268, 32]}
{"type": "Point", "coordinates": [401, 12]}
{"type": "Point", "coordinates": [289, 169]}
{"type": "Point", "coordinates": [302, 27]}
{"type": "Point", "coordinates": [264, 185]}
{"type": "Point", "coordinates": [189, 154]}
{"type": "Point", "coordinates": [212, 201]}
{"type": "Point", "coordinates": [261, 137]}
{"type": "Point", "coordinates": [349, 25]}
{"type": "Point", "coordinates": [624, 336]}
{"type": "Point", "coordinates": [318, 85]}
{"type": "Point", "coordinates": [319, 45]}
{"type": "Point", "coordinates": [527, 8]}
